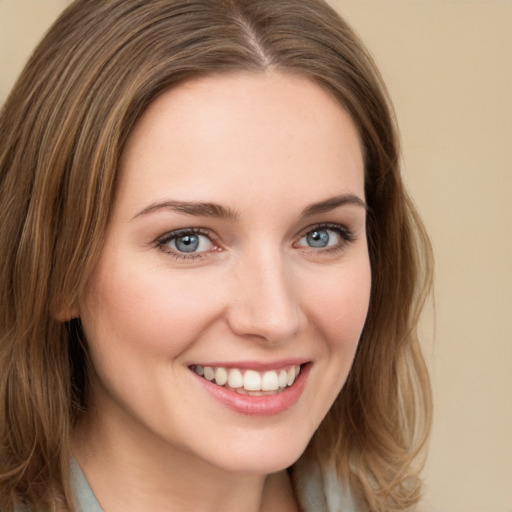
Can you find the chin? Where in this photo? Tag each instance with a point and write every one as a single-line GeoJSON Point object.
{"type": "Point", "coordinates": [262, 457]}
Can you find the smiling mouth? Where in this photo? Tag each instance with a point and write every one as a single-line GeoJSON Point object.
{"type": "Point", "coordinates": [249, 382]}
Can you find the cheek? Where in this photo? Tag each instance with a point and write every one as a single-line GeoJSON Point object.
{"type": "Point", "coordinates": [339, 305]}
{"type": "Point", "coordinates": [152, 311]}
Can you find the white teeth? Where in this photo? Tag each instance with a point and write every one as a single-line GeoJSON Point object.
{"type": "Point", "coordinates": [221, 376]}
{"type": "Point", "coordinates": [269, 381]}
{"type": "Point", "coordinates": [209, 373]}
{"type": "Point", "coordinates": [252, 381]}
{"type": "Point", "coordinates": [249, 380]}
{"type": "Point", "coordinates": [283, 379]}
{"type": "Point", "coordinates": [291, 376]}
{"type": "Point", "coordinates": [235, 379]}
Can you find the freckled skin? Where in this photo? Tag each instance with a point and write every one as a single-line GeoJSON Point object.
{"type": "Point", "coordinates": [264, 146]}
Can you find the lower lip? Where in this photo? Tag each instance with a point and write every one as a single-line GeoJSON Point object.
{"type": "Point", "coordinates": [250, 405]}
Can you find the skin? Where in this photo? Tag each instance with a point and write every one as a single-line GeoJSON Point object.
{"type": "Point", "coordinates": [264, 147]}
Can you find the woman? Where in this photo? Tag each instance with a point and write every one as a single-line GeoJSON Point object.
{"type": "Point", "coordinates": [212, 272]}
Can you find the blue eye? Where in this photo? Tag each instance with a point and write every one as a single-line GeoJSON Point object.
{"type": "Point", "coordinates": [326, 237]}
{"type": "Point", "coordinates": [318, 238]}
{"type": "Point", "coordinates": [186, 242]}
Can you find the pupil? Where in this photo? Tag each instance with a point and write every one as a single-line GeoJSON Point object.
{"type": "Point", "coordinates": [318, 238]}
{"type": "Point", "coordinates": [187, 243]}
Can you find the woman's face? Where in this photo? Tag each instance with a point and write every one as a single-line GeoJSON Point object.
{"type": "Point", "coordinates": [235, 255]}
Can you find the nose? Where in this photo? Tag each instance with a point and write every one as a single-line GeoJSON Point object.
{"type": "Point", "coordinates": [265, 300]}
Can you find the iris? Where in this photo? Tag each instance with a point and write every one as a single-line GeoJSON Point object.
{"type": "Point", "coordinates": [318, 238]}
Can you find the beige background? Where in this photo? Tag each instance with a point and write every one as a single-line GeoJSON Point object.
{"type": "Point", "coordinates": [448, 65]}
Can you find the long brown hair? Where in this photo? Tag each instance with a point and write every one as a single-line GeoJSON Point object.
{"type": "Point", "coordinates": [62, 131]}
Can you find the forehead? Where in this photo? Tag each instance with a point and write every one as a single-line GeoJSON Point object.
{"type": "Point", "coordinates": [254, 133]}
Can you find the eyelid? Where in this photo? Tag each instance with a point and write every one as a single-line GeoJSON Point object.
{"type": "Point", "coordinates": [345, 232]}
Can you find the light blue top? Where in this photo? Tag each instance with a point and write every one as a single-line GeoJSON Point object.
{"type": "Point", "coordinates": [84, 497]}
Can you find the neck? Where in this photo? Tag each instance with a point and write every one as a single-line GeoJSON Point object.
{"type": "Point", "coordinates": [128, 473]}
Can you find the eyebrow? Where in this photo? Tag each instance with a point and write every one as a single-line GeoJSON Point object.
{"type": "Point", "coordinates": [190, 208]}
{"type": "Point", "coordinates": [206, 209]}
{"type": "Point", "coordinates": [333, 203]}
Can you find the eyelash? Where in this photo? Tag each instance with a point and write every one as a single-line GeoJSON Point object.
{"type": "Point", "coordinates": [347, 237]}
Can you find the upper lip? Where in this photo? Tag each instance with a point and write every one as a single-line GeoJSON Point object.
{"type": "Point", "coordinates": [256, 365]}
